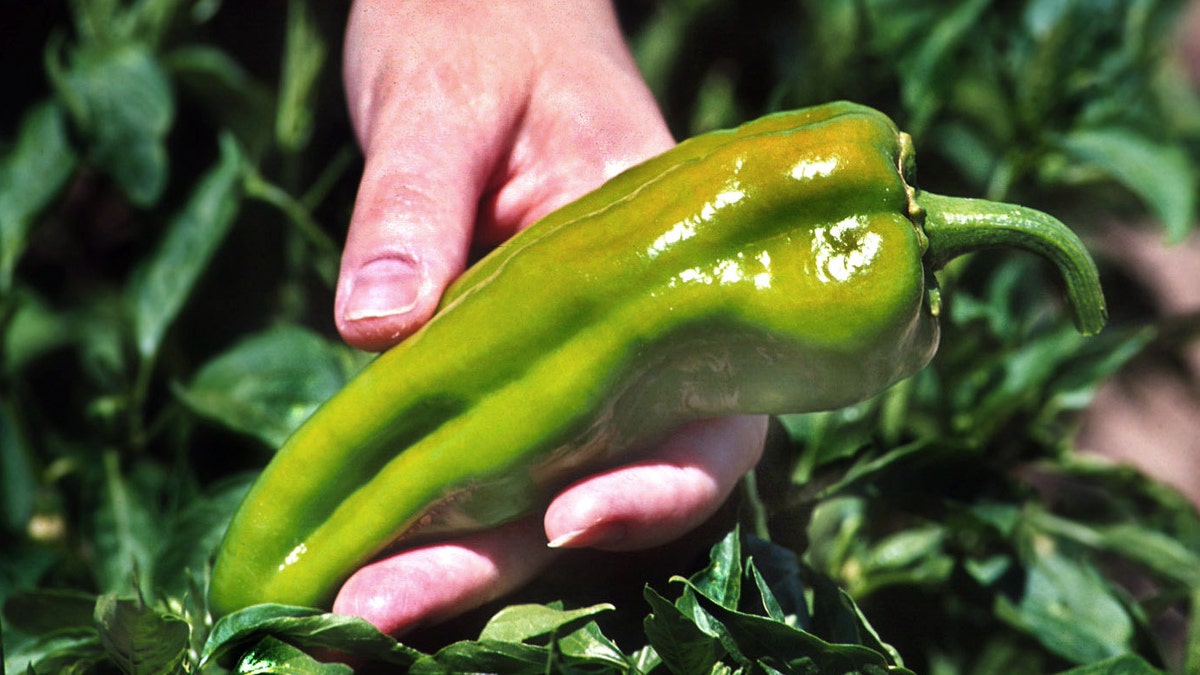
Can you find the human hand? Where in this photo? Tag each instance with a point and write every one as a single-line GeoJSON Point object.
{"type": "Point", "coordinates": [476, 119]}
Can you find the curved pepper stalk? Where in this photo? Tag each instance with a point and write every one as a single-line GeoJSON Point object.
{"type": "Point", "coordinates": [956, 226]}
{"type": "Point", "coordinates": [778, 267]}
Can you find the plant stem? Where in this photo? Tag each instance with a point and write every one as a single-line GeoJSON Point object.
{"type": "Point", "coordinates": [259, 188]}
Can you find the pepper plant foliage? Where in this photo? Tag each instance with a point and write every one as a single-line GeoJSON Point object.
{"type": "Point", "coordinates": [175, 176]}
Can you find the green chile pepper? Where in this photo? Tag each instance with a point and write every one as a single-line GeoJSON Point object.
{"type": "Point", "coordinates": [779, 267]}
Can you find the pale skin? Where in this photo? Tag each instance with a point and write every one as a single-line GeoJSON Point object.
{"type": "Point", "coordinates": [475, 119]}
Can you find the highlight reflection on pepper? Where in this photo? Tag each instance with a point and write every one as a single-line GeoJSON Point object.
{"type": "Point", "coordinates": [842, 249]}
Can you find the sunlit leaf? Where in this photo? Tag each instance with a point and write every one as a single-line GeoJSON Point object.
{"type": "Point", "coordinates": [270, 656]}
{"type": "Point", "coordinates": [589, 644]}
{"type": "Point", "coordinates": [721, 581]}
{"type": "Point", "coordinates": [519, 623]}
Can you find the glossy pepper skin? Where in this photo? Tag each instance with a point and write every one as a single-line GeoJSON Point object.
{"type": "Point", "coordinates": [779, 267]}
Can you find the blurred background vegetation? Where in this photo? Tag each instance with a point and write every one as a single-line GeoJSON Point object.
{"type": "Point", "coordinates": [175, 181]}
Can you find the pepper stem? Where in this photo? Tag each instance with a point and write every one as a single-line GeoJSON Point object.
{"type": "Point", "coordinates": [955, 226]}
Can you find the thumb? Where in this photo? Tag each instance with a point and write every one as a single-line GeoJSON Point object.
{"type": "Point", "coordinates": [408, 238]}
{"type": "Point", "coordinates": [430, 144]}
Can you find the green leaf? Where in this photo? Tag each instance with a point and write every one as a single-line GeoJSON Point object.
{"type": "Point", "coordinates": [1074, 388]}
{"type": "Point", "coordinates": [755, 639]}
{"type": "Point", "coordinates": [1191, 648]}
{"type": "Point", "coordinates": [589, 645]}
{"type": "Point", "coordinates": [644, 660]}
{"type": "Point", "coordinates": [768, 603]}
{"type": "Point", "coordinates": [867, 635]}
{"type": "Point", "coordinates": [1134, 495]}
{"type": "Point", "coordinates": [65, 652]}
{"type": "Point", "coordinates": [716, 105]}
{"type": "Point", "coordinates": [34, 330]}
{"type": "Point", "coordinates": [45, 611]}
{"type": "Point", "coordinates": [837, 619]}
{"type": "Point", "coordinates": [31, 174]}
{"type": "Point", "coordinates": [270, 382]}
{"type": "Point", "coordinates": [211, 77]}
{"type": "Point", "coordinates": [122, 101]}
{"type": "Point", "coordinates": [507, 658]}
{"type": "Point", "coordinates": [304, 627]}
{"type": "Point", "coordinates": [140, 639]}
{"type": "Point", "coordinates": [1163, 555]}
{"type": "Point", "coordinates": [777, 572]}
{"type": "Point", "coordinates": [126, 536]}
{"type": "Point", "coordinates": [194, 533]}
{"type": "Point", "coordinates": [23, 564]}
{"type": "Point", "coordinates": [929, 59]}
{"type": "Point", "coordinates": [519, 623]}
{"type": "Point", "coordinates": [1021, 381]}
{"type": "Point", "coordinates": [95, 19]}
{"type": "Point", "coordinates": [18, 481]}
{"type": "Point", "coordinates": [1126, 664]}
{"type": "Point", "coordinates": [160, 286]}
{"type": "Point", "coordinates": [675, 637]}
{"type": "Point", "coordinates": [830, 436]}
{"type": "Point", "coordinates": [1069, 608]}
{"type": "Point", "coordinates": [275, 657]}
{"type": "Point", "coordinates": [721, 580]}
{"type": "Point", "coordinates": [913, 556]}
{"type": "Point", "coordinates": [304, 56]}
{"type": "Point", "coordinates": [150, 20]}
{"type": "Point", "coordinates": [1160, 173]}
{"type": "Point", "coordinates": [907, 547]}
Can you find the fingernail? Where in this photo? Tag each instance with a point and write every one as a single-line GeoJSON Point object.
{"type": "Point", "coordinates": [598, 535]}
{"type": "Point", "coordinates": [383, 287]}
